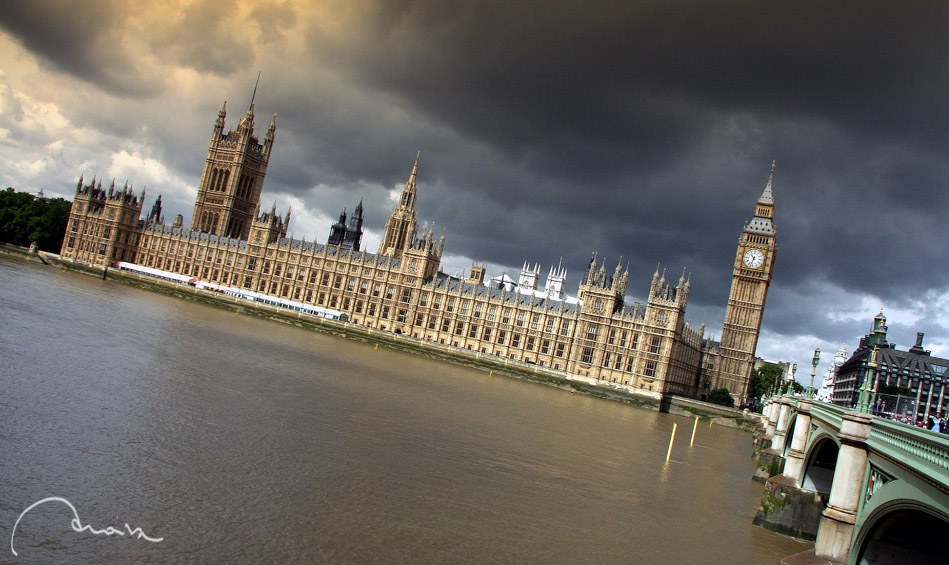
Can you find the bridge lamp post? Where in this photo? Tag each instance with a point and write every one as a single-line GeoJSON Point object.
{"type": "Point", "coordinates": [864, 400]}
{"type": "Point", "coordinates": [814, 362]}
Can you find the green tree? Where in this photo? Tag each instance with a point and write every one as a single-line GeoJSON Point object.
{"type": "Point", "coordinates": [25, 219]}
{"type": "Point", "coordinates": [721, 396]}
{"type": "Point", "coordinates": [763, 380]}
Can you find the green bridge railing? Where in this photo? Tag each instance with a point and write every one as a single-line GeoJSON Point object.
{"type": "Point", "coordinates": [920, 450]}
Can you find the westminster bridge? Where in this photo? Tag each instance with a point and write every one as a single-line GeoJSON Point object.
{"type": "Point", "coordinates": [865, 489]}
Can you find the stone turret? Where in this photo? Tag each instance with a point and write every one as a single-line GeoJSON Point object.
{"type": "Point", "coordinates": [527, 281]}
{"type": "Point", "coordinates": [555, 282]}
{"type": "Point", "coordinates": [347, 236]}
{"type": "Point", "coordinates": [155, 216]}
{"type": "Point", "coordinates": [602, 293]}
{"type": "Point", "coordinates": [477, 274]}
{"type": "Point", "coordinates": [268, 227]}
{"type": "Point", "coordinates": [666, 304]}
{"type": "Point", "coordinates": [103, 225]}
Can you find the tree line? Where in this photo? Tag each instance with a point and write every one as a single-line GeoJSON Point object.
{"type": "Point", "coordinates": [765, 380]}
{"type": "Point", "coordinates": [25, 219]}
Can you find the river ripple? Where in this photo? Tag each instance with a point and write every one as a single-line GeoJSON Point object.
{"type": "Point", "coordinates": [242, 440]}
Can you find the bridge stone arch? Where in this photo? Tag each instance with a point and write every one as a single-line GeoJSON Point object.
{"type": "Point", "coordinates": [820, 430]}
{"type": "Point", "coordinates": [903, 531]}
{"type": "Point", "coordinates": [905, 518]}
{"type": "Point", "coordinates": [820, 462]}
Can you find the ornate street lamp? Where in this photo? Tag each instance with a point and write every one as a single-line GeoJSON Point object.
{"type": "Point", "coordinates": [814, 362]}
{"type": "Point", "coordinates": [865, 399]}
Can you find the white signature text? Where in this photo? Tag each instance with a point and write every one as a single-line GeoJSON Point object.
{"type": "Point", "coordinates": [78, 526]}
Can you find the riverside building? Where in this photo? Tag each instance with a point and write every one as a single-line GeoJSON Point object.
{"type": "Point", "coordinates": [826, 390]}
{"type": "Point", "coordinates": [879, 361]}
{"type": "Point", "coordinates": [401, 289]}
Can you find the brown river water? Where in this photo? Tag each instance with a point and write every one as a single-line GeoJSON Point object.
{"type": "Point", "coordinates": [240, 440]}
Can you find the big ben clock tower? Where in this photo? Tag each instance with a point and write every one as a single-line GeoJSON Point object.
{"type": "Point", "coordinates": [754, 262]}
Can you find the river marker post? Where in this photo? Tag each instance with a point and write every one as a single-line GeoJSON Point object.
{"type": "Point", "coordinates": [671, 441]}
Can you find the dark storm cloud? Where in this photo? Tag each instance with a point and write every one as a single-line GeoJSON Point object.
{"type": "Point", "coordinates": [273, 19]}
{"type": "Point", "coordinates": [587, 110]}
{"type": "Point", "coordinates": [200, 36]}
{"type": "Point", "coordinates": [76, 38]}
{"type": "Point", "coordinates": [644, 76]}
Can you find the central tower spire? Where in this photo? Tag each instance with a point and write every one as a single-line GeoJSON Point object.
{"type": "Point", "coordinates": [402, 223]}
{"type": "Point", "coordinates": [250, 109]}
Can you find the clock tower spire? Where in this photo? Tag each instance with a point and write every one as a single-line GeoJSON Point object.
{"type": "Point", "coordinates": [751, 277]}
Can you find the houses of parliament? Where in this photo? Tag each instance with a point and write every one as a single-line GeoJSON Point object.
{"type": "Point", "coordinates": [400, 288]}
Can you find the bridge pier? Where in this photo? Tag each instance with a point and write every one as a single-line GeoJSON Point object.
{"type": "Point", "coordinates": [771, 460]}
{"type": "Point", "coordinates": [835, 535]}
{"type": "Point", "coordinates": [794, 463]}
{"type": "Point", "coordinates": [773, 409]}
{"type": "Point", "coordinates": [786, 508]}
{"type": "Point", "coordinates": [781, 430]}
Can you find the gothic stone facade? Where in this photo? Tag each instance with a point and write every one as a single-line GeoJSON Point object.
{"type": "Point", "coordinates": [400, 288]}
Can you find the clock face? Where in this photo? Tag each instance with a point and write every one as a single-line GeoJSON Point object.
{"type": "Point", "coordinates": [754, 258]}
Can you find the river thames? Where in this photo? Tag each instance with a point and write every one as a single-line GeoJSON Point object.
{"type": "Point", "coordinates": [236, 439]}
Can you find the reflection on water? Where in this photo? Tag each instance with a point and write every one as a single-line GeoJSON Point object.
{"type": "Point", "coordinates": [242, 440]}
